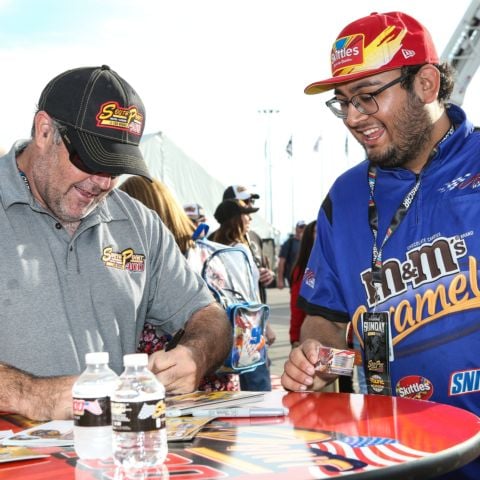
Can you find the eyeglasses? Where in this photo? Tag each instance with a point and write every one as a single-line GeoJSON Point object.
{"type": "Point", "coordinates": [365, 103]}
{"type": "Point", "coordinates": [73, 155]}
{"type": "Point", "coordinates": [250, 202]}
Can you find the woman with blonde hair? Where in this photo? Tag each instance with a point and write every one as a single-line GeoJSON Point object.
{"type": "Point", "coordinates": [156, 196]}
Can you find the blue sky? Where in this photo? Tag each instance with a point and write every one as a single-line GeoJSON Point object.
{"type": "Point", "coordinates": [27, 22]}
{"type": "Point", "coordinates": [204, 69]}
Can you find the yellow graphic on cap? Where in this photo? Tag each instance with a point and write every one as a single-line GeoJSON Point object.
{"type": "Point", "coordinates": [378, 53]}
{"type": "Point", "coordinates": [112, 115]}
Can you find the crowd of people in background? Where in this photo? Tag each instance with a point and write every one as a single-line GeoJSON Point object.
{"type": "Point", "coordinates": [234, 217]}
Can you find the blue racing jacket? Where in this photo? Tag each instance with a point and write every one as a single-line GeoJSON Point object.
{"type": "Point", "coordinates": [431, 284]}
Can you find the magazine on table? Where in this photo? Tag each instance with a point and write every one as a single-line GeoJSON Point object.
{"type": "Point", "coordinates": [59, 433]}
{"type": "Point", "coordinates": [15, 454]}
{"type": "Point", "coordinates": [183, 429]}
{"type": "Point", "coordinates": [188, 402]}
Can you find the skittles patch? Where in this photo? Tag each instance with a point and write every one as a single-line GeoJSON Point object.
{"type": "Point", "coordinates": [414, 386]}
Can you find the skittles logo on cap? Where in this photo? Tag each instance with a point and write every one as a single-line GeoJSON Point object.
{"type": "Point", "coordinates": [414, 386]}
{"type": "Point", "coordinates": [350, 54]}
{"type": "Point", "coordinates": [347, 52]}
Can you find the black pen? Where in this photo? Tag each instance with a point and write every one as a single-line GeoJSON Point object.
{"type": "Point", "coordinates": [175, 340]}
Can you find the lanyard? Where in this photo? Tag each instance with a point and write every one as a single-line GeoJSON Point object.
{"type": "Point", "coordinates": [397, 218]}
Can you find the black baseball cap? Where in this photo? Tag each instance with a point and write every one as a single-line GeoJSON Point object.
{"type": "Point", "coordinates": [230, 208]}
{"type": "Point", "coordinates": [103, 118]}
{"type": "Point", "coordinates": [240, 192]}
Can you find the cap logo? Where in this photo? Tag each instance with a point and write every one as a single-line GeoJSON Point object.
{"type": "Point", "coordinates": [241, 189]}
{"type": "Point", "coordinates": [408, 53]}
{"type": "Point", "coordinates": [112, 115]}
{"type": "Point", "coordinates": [350, 55]}
{"type": "Point", "coordinates": [347, 52]}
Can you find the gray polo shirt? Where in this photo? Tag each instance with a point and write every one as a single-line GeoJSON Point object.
{"type": "Point", "coordinates": [63, 296]}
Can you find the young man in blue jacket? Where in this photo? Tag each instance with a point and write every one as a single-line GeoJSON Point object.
{"type": "Point", "coordinates": [396, 252]}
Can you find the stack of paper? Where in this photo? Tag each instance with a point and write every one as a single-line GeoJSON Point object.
{"type": "Point", "coordinates": [60, 434]}
{"type": "Point", "coordinates": [189, 402]}
{"type": "Point", "coordinates": [15, 454]}
{"type": "Point", "coordinates": [57, 433]}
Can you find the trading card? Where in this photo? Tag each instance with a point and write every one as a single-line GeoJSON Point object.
{"type": "Point", "coordinates": [335, 361]}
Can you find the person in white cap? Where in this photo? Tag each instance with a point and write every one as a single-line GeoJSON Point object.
{"type": "Point", "coordinates": [397, 248]}
{"type": "Point", "coordinates": [195, 212]}
{"type": "Point", "coordinates": [85, 265]}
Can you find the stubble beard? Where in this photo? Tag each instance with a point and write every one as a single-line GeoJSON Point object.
{"type": "Point", "coordinates": [414, 132]}
{"type": "Point", "coordinates": [52, 198]}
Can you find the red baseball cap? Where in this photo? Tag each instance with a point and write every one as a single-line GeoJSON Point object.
{"type": "Point", "coordinates": [374, 44]}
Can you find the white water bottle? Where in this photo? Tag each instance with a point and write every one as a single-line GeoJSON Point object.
{"type": "Point", "coordinates": [92, 430]}
{"type": "Point", "coordinates": [138, 416]}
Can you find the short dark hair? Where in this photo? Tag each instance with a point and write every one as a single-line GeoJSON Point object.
{"type": "Point", "coordinates": [447, 79]}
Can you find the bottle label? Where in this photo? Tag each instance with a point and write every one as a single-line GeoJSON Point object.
{"type": "Point", "coordinates": [92, 412]}
{"type": "Point", "coordinates": [138, 416]}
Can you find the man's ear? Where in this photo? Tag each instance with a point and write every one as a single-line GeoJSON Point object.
{"type": "Point", "coordinates": [43, 128]}
{"type": "Point", "coordinates": [427, 83]}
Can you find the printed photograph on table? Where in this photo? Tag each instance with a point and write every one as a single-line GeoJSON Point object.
{"type": "Point", "coordinates": [56, 433]}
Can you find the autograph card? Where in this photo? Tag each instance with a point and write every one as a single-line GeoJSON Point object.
{"type": "Point", "coordinates": [335, 361]}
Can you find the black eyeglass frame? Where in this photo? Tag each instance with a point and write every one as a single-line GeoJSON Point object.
{"type": "Point", "coordinates": [354, 100]}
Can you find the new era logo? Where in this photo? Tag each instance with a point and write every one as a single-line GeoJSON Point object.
{"type": "Point", "coordinates": [408, 53]}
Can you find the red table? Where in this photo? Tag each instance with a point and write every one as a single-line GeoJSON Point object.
{"type": "Point", "coordinates": [325, 435]}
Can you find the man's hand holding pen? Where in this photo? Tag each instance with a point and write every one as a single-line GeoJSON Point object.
{"type": "Point", "coordinates": [175, 366]}
{"type": "Point", "coordinates": [171, 344]}
{"type": "Point", "coordinates": [190, 355]}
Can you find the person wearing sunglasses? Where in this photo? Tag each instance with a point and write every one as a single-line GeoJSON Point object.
{"type": "Point", "coordinates": [397, 249]}
{"type": "Point", "coordinates": [85, 266]}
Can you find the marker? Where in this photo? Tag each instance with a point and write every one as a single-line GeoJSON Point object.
{"type": "Point", "coordinates": [170, 345]}
{"type": "Point", "coordinates": [230, 412]}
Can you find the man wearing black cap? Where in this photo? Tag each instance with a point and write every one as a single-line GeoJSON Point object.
{"type": "Point", "coordinates": [85, 262]}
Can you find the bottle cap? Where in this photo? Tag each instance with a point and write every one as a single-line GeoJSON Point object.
{"type": "Point", "coordinates": [135, 360]}
{"type": "Point", "coordinates": [96, 357]}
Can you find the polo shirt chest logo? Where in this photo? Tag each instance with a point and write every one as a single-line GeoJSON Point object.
{"type": "Point", "coordinates": [125, 260]}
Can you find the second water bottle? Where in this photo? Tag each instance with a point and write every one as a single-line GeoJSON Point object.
{"type": "Point", "coordinates": [138, 416]}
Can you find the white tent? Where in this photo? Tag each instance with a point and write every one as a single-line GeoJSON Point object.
{"type": "Point", "coordinates": [188, 180]}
